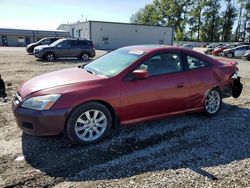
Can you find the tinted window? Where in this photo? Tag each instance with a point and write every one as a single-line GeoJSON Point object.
{"type": "Point", "coordinates": [53, 40]}
{"type": "Point", "coordinates": [243, 48]}
{"type": "Point", "coordinates": [80, 43]}
{"type": "Point", "coordinates": [83, 43]}
{"type": "Point", "coordinates": [46, 41]}
{"type": "Point", "coordinates": [195, 63]}
{"type": "Point", "coordinates": [162, 64]}
{"type": "Point", "coordinates": [65, 44]}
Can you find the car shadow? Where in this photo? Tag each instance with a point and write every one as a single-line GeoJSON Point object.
{"type": "Point", "coordinates": [189, 141]}
{"type": "Point", "coordinates": [66, 60]}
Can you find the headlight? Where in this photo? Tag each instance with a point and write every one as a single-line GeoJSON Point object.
{"type": "Point", "coordinates": [37, 49]}
{"type": "Point", "coordinates": [41, 102]}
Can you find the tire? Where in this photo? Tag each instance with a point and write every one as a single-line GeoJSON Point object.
{"type": "Point", "coordinates": [84, 57]}
{"type": "Point", "coordinates": [212, 103]}
{"type": "Point", "coordinates": [89, 123]}
{"type": "Point", "coordinates": [230, 55]}
{"type": "Point", "coordinates": [50, 56]}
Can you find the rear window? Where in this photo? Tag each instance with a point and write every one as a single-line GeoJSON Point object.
{"type": "Point", "coordinates": [82, 42]}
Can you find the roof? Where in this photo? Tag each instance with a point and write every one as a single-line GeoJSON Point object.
{"type": "Point", "coordinates": [30, 32]}
{"type": "Point", "coordinates": [114, 23]}
{"type": "Point", "coordinates": [155, 47]}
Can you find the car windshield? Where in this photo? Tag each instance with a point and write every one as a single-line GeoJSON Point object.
{"type": "Point", "coordinates": [114, 62]}
{"type": "Point", "coordinates": [41, 40]}
{"type": "Point", "coordinates": [56, 42]}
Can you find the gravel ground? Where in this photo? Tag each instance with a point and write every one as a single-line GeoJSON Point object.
{"type": "Point", "coordinates": [184, 151]}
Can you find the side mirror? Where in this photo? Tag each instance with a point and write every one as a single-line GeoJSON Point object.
{"type": "Point", "coordinates": [140, 74]}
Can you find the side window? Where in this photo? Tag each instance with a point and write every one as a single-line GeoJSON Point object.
{"type": "Point", "coordinates": [53, 40]}
{"type": "Point", "coordinates": [83, 43]}
{"type": "Point", "coordinates": [162, 64]}
{"type": "Point", "coordinates": [47, 41]}
{"type": "Point", "coordinates": [195, 63]}
{"type": "Point", "coordinates": [80, 43]}
{"type": "Point", "coordinates": [64, 44]}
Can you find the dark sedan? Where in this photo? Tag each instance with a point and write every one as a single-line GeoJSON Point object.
{"type": "Point", "coordinates": [128, 85]}
{"type": "Point", "coordinates": [44, 41]}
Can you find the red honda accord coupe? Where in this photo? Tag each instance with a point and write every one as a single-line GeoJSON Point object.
{"type": "Point", "coordinates": [128, 85]}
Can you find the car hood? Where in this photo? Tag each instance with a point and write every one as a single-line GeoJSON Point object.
{"type": "Point", "coordinates": [29, 45]}
{"type": "Point", "coordinates": [56, 79]}
{"type": "Point", "coordinates": [40, 47]}
{"type": "Point", "coordinates": [227, 50]}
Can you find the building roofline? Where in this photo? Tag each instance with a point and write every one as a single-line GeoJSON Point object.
{"type": "Point", "coordinates": [116, 23]}
{"type": "Point", "coordinates": [128, 23]}
{"type": "Point", "coordinates": [35, 30]}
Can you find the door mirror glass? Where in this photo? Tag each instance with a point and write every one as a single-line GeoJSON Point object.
{"type": "Point", "coordinates": [140, 74]}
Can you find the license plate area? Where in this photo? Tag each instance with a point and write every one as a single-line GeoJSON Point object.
{"type": "Point", "coordinates": [237, 88]}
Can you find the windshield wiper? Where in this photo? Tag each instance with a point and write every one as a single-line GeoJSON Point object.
{"type": "Point", "coordinates": [91, 72]}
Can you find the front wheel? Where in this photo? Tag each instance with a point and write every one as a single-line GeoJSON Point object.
{"type": "Point", "coordinates": [89, 123]}
{"type": "Point", "coordinates": [50, 57]}
{"type": "Point", "coordinates": [212, 102]}
{"type": "Point", "coordinates": [230, 55]}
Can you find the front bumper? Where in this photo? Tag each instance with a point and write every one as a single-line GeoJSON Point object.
{"type": "Point", "coordinates": [40, 123]}
{"type": "Point", "coordinates": [237, 87]}
{"type": "Point", "coordinates": [29, 50]}
{"type": "Point", "coordinates": [38, 54]}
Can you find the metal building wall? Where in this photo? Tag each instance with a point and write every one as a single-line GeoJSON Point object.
{"type": "Point", "coordinates": [113, 35]}
{"type": "Point", "coordinates": [106, 35]}
{"type": "Point", "coordinates": [30, 35]}
{"type": "Point", "coordinates": [77, 30]}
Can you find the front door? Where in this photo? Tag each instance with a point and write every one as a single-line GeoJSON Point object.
{"type": "Point", "coordinates": [64, 49]}
{"type": "Point", "coordinates": [166, 90]}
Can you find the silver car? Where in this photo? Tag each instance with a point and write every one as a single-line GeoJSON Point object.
{"type": "Point", "coordinates": [236, 52]}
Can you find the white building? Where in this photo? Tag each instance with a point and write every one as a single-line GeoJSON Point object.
{"type": "Point", "coordinates": [113, 35]}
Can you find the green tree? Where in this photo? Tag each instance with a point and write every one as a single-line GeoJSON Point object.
{"type": "Point", "coordinates": [179, 35]}
{"type": "Point", "coordinates": [146, 15]}
{"type": "Point", "coordinates": [246, 18]}
{"type": "Point", "coordinates": [229, 16]}
{"type": "Point", "coordinates": [210, 30]}
{"type": "Point", "coordinates": [195, 17]}
{"type": "Point", "coordinates": [243, 19]}
{"type": "Point", "coordinates": [165, 13]}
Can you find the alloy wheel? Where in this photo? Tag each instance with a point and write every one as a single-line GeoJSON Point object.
{"type": "Point", "coordinates": [91, 125]}
{"type": "Point", "coordinates": [50, 57]}
{"type": "Point", "coordinates": [85, 57]}
{"type": "Point", "coordinates": [213, 102]}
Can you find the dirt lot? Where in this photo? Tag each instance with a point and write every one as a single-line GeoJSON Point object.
{"type": "Point", "coordinates": [184, 151]}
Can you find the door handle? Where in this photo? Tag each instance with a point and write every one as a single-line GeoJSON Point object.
{"type": "Point", "coordinates": [180, 85]}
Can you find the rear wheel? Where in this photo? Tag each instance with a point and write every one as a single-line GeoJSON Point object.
{"type": "Point", "coordinates": [212, 102]}
{"type": "Point", "coordinates": [85, 57]}
{"type": "Point", "coordinates": [50, 57]}
{"type": "Point", "coordinates": [89, 123]}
